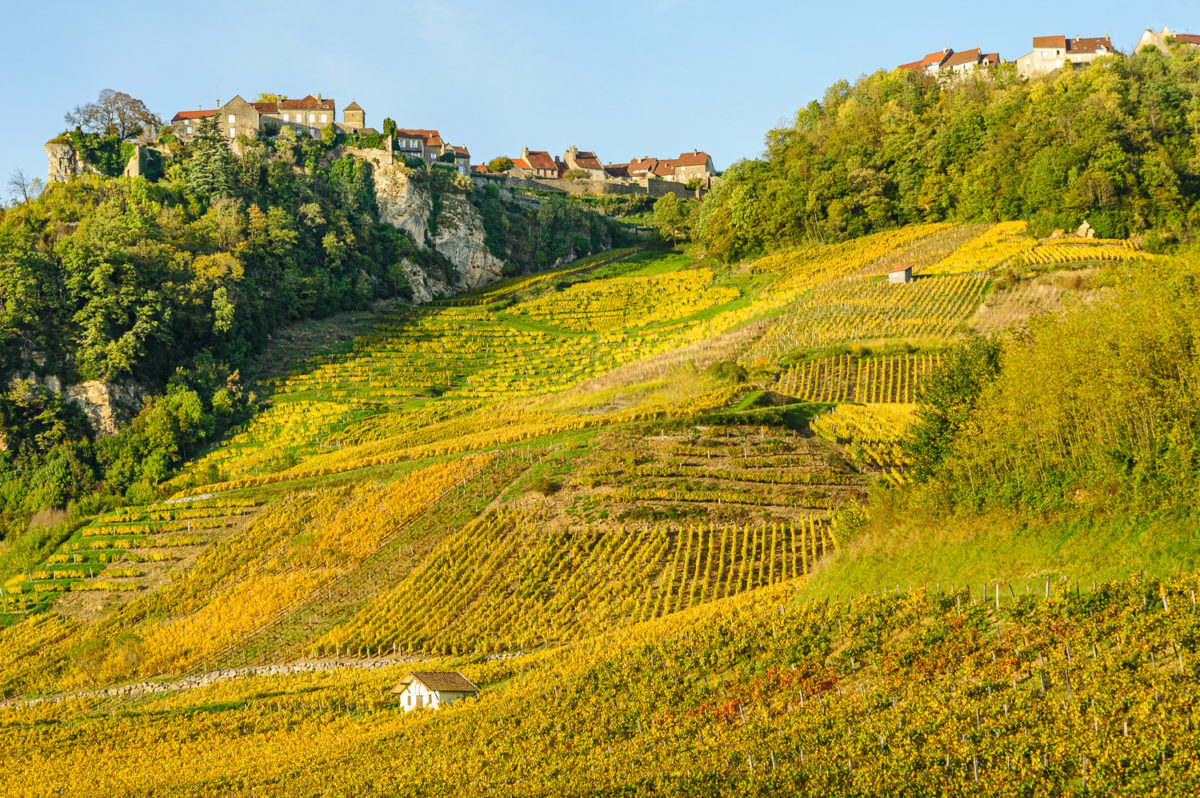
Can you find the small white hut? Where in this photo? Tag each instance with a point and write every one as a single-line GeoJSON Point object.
{"type": "Point", "coordinates": [900, 275]}
{"type": "Point", "coordinates": [432, 689]}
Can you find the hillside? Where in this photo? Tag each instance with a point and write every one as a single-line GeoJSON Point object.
{"type": "Point", "coordinates": [623, 496]}
{"type": "Point", "coordinates": [147, 298]}
{"type": "Point", "coordinates": [908, 511]}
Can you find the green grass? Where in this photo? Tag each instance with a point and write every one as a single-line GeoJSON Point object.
{"type": "Point", "coordinates": [979, 549]}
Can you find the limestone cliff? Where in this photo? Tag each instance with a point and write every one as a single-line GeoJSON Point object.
{"type": "Point", "coordinates": [63, 163]}
{"type": "Point", "coordinates": [107, 404]}
{"type": "Point", "coordinates": [459, 236]}
{"type": "Point", "coordinates": [401, 202]}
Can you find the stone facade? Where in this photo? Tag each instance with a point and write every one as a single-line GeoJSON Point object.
{"type": "Point", "coordinates": [1056, 52]}
{"type": "Point", "coordinates": [238, 119]}
{"type": "Point", "coordinates": [585, 162]}
{"type": "Point", "coordinates": [354, 117]}
{"type": "Point", "coordinates": [1165, 40]}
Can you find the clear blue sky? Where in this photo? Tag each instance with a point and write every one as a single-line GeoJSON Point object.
{"type": "Point", "coordinates": [621, 77]}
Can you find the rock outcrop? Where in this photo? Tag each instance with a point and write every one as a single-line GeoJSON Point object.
{"type": "Point", "coordinates": [460, 237]}
{"type": "Point", "coordinates": [459, 234]}
{"type": "Point", "coordinates": [402, 203]}
{"type": "Point", "coordinates": [107, 404]}
{"type": "Point", "coordinates": [63, 163]}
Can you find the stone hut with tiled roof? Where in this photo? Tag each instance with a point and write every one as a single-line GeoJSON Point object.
{"type": "Point", "coordinates": [432, 689]}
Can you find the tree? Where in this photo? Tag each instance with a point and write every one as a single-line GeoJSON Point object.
{"type": "Point", "coordinates": [114, 113]}
{"type": "Point", "coordinates": [209, 162]}
{"type": "Point", "coordinates": [671, 217]}
{"type": "Point", "coordinates": [389, 127]}
{"type": "Point", "coordinates": [24, 188]}
{"type": "Point", "coordinates": [948, 396]}
{"type": "Point", "coordinates": [267, 97]}
{"type": "Point", "coordinates": [500, 164]}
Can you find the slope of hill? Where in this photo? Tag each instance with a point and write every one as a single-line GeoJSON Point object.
{"type": "Point", "coordinates": [609, 494]}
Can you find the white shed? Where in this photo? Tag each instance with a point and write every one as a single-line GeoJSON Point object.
{"type": "Point", "coordinates": [432, 689]}
{"type": "Point", "coordinates": [900, 274]}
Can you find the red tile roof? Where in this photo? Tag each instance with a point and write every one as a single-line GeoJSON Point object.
{"type": "Point", "coordinates": [460, 152]}
{"type": "Point", "coordinates": [1089, 45]}
{"type": "Point", "coordinates": [641, 166]}
{"type": "Point", "coordinates": [962, 59]}
{"type": "Point", "coordinates": [481, 169]}
{"type": "Point", "coordinates": [520, 163]}
{"type": "Point", "coordinates": [1050, 41]}
{"type": "Point", "coordinates": [932, 59]}
{"type": "Point", "coordinates": [587, 160]}
{"type": "Point", "coordinates": [991, 59]}
{"type": "Point", "coordinates": [1188, 38]}
{"type": "Point", "coordinates": [937, 58]}
{"type": "Point", "coordinates": [540, 159]}
{"type": "Point", "coordinates": [266, 108]}
{"type": "Point", "coordinates": [307, 103]}
{"type": "Point", "coordinates": [617, 169]}
{"type": "Point", "coordinates": [693, 158]}
{"type": "Point", "coordinates": [432, 137]}
{"type": "Point", "coordinates": [193, 114]}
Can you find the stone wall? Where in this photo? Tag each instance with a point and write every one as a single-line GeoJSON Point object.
{"type": "Point", "coordinates": [643, 187]}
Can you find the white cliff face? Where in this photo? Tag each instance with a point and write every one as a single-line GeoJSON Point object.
{"type": "Point", "coordinates": [460, 238]}
{"type": "Point", "coordinates": [402, 203]}
{"type": "Point", "coordinates": [107, 404]}
{"type": "Point", "coordinates": [63, 165]}
{"type": "Point", "coordinates": [460, 234]}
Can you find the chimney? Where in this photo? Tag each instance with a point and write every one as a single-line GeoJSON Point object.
{"type": "Point", "coordinates": [318, 96]}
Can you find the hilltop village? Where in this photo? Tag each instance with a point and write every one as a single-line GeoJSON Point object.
{"type": "Point", "coordinates": [1047, 54]}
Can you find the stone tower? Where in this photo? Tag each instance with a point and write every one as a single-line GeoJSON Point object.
{"type": "Point", "coordinates": [354, 117]}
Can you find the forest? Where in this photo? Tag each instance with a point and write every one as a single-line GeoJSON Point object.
{"type": "Point", "coordinates": [1114, 144]}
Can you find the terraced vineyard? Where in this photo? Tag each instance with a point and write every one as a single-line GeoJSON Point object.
{"type": "Point", "coordinates": [998, 690]}
{"type": "Point", "coordinates": [843, 378]}
{"type": "Point", "coordinates": [599, 492]}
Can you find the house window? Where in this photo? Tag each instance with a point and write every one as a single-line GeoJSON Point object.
{"type": "Point", "coordinates": [231, 132]}
{"type": "Point", "coordinates": [233, 119]}
{"type": "Point", "coordinates": [312, 118]}
{"type": "Point", "coordinates": [189, 130]}
{"type": "Point", "coordinates": [324, 118]}
{"type": "Point", "coordinates": [285, 118]}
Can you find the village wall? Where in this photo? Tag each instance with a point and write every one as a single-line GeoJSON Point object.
{"type": "Point", "coordinates": [644, 187]}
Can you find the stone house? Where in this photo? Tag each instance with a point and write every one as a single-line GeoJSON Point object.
{"type": "Point", "coordinates": [694, 164]}
{"type": "Point", "coordinates": [968, 61]}
{"type": "Point", "coordinates": [575, 159]}
{"type": "Point", "coordinates": [539, 163]}
{"type": "Point", "coordinates": [432, 689]}
{"type": "Point", "coordinates": [1165, 39]}
{"type": "Point", "coordinates": [419, 143]}
{"type": "Point", "coordinates": [1055, 52]}
{"type": "Point", "coordinates": [186, 124]}
{"type": "Point", "coordinates": [354, 118]}
{"type": "Point", "coordinates": [240, 118]}
{"type": "Point", "coordinates": [462, 159]}
{"type": "Point", "coordinates": [900, 275]}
